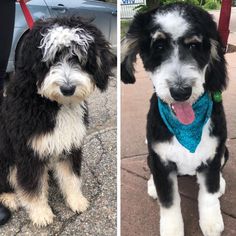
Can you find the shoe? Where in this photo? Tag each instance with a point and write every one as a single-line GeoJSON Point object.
{"type": "Point", "coordinates": [5, 214]}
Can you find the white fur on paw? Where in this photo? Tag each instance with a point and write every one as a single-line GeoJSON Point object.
{"type": "Point", "coordinates": [78, 203]}
{"type": "Point", "coordinates": [151, 188]}
{"type": "Point", "coordinates": [41, 216]}
{"type": "Point", "coordinates": [171, 224]}
{"type": "Point", "coordinates": [212, 227]}
{"type": "Point", "coordinates": [211, 221]}
{"type": "Point", "coordinates": [10, 200]}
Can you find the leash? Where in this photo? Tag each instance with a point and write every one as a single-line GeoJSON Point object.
{"type": "Point", "coordinates": [224, 21]}
{"type": "Point", "coordinates": [26, 12]}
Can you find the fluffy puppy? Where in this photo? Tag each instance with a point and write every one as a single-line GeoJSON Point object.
{"type": "Point", "coordinates": [182, 53]}
{"type": "Point", "coordinates": [44, 116]}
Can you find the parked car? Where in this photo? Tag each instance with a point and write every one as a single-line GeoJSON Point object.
{"type": "Point", "coordinates": [103, 16]}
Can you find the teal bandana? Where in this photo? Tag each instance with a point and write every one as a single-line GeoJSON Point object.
{"type": "Point", "coordinates": [189, 135]}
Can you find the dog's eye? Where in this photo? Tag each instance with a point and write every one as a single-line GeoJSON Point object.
{"type": "Point", "coordinates": [158, 45]}
{"type": "Point", "coordinates": [194, 46]}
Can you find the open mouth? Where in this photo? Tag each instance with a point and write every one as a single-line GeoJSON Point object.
{"type": "Point", "coordinates": [183, 112]}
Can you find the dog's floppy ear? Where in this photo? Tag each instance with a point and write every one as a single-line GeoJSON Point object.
{"type": "Point", "coordinates": [105, 62]}
{"type": "Point", "coordinates": [216, 74]}
{"type": "Point", "coordinates": [129, 50]}
{"type": "Point", "coordinates": [136, 37]}
{"type": "Point", "coordinates": [28, 53]}
{"type": "Point", "coordinates": [101, 60]}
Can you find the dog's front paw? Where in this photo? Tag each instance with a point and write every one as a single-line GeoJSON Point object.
{"type": "Point", "coordinates": [41, 216]}
{"type": "Point", "coordinates": [171, 221]}
{"type": "Point", "coordinates": [171, 227]}
{"type": "Point", "coordinates": [211, 220]}
{"type": "Point", "coordinates": [212, 225]}
{"type": "Point", "coordinates": [78, 203]}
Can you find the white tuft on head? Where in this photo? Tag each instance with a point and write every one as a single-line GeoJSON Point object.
{"type": "Point", "coordinates": [58, 37]}
{"type": "Point", "coordinates": [172, 23]}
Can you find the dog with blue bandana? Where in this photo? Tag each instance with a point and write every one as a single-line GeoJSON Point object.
{"type": "Point", "coordinates": [186, 127]}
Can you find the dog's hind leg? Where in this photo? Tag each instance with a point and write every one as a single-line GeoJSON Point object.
{"type": "Point", "coordinates": [165, 179]}
{"type": "Point", "coordinates": [9, 198]}
{"type": "Point", "coordinates": [7, 192]}
{"type": "Point", "coordinates": [10, 201]}
{"type": "Point", "coordinates": [67, 173]}
{"type": "Point", "coordinates": [211, 187]}
{"type": "Point", "coordinates": [151, 188]}
{"type": "Point", "coordinates": [32, 190]}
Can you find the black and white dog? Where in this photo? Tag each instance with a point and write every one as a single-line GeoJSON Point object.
{"type": "Point", "coordinates": [44, 116]}
{"type": "Point", "coordinates": [182, 53]}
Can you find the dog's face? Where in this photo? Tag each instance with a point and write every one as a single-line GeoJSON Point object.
{"type": "Point", "coordinates": [178, 58]}
{"type": "Point", "coordinates": [180, 49]}
{"type": "Point", "coordinates": [69, 58]}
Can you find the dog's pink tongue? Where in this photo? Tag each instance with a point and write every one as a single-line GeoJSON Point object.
{"type": "Point", "coordinates": [184, 112]}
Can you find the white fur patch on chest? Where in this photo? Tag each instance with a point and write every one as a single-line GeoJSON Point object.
{"type": "Point", "coordinates": [188, 162]}
{"type": "Point", "coordinates": [69, 132]}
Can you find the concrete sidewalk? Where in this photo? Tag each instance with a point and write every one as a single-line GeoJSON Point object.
{"type": "Point", "coordinates": [140, 213]}
{"type": "Point", "coordinates": [99, 181]}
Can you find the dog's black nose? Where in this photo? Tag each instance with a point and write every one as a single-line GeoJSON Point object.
{"type": "Point", "coordinates": [181, 94]}
{"type": "Point", "coordinates": [67, 90]}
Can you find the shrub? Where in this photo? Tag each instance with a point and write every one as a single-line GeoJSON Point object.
{"type": "Point", "coordinates": [211, 5]}
{"type": "Point", "coordinates": [194, 2]}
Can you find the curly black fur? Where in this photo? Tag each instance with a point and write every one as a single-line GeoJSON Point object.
{"type": "Point", "coordinates": [24, 113]}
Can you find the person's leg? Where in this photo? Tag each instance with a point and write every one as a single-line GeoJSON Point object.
{"type": "Point", "coordinates": [7, 19]}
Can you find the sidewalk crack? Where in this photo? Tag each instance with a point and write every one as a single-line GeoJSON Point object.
{"type": "Point", "coordinates": [229, 214]}
{"type": "Point", "coordinates": [135, 155]}
{"type": "Point", "coordinates": [133, 173]}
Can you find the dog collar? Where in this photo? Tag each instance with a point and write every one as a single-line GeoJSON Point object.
{"type": "Point", "coordinates": [189, 136]}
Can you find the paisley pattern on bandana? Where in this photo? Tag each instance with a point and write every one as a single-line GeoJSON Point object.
{"type": "Point", "coordinates": [190, 135]}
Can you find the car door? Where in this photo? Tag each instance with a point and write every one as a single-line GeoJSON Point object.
{"type": "Point", "coordinates": [103, 15]}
